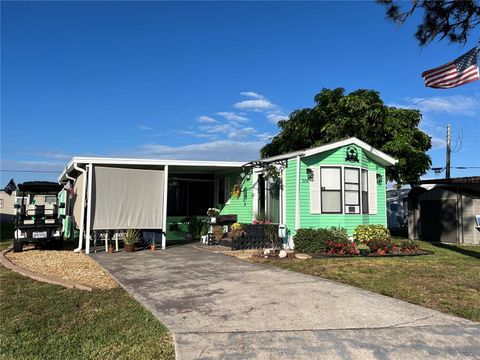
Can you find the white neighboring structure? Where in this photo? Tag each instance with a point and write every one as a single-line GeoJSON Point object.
{"type": "Point", "coordinates": [397, 210]}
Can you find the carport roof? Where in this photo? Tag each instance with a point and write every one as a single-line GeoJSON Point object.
{"type": "Point", "coordinates": [197, 164]}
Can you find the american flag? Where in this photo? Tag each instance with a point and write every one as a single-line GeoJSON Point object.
{"type": "Point", "coordinates": [460, 71]}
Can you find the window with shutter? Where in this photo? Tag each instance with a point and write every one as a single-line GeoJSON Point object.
{"type": "Point", "coordinates": [331, 190]}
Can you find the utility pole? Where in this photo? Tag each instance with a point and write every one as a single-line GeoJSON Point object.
{"type": "Point", "coordinates": [447, 161]}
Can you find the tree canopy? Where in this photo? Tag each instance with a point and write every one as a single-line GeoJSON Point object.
{"type": "Point", "coordinates": [362, 114]}
{"type": "Point", "coordinates": [443, 19]}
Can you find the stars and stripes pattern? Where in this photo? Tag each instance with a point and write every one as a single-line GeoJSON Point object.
{"type": "Point", "coordinates": [460, 71]}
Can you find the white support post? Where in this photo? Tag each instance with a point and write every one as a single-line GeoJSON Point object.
{"type": "Point", "coordinates": [82, 214]}
{"type": "Point", "coordinates": [116, 241]}
{"type": "Point", "coordinates": [297, 196]}
{"type": "Point", "coordinates": [165, 200]}
{"type": "Point", "coordinates": [89, 209]}
{"type": "Point", "coordinates": [106, 240]}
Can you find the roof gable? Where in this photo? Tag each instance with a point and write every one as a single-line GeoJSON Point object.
{"type": "Point", "coordinates": [371, 152]}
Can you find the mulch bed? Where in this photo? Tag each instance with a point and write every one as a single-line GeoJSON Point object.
{"type": "Point", "coordinates": [66, 265]}
{"type": "Point", "coordinates": [374, 255]}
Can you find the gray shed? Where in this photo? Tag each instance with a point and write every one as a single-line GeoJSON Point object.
{"type": "Point", "coordinates": [445, 211]}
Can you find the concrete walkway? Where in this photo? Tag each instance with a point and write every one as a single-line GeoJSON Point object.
{"type": "Point", "coordinates": [220, 307]}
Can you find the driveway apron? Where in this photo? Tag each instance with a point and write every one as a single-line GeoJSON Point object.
{"type": "Point", "coordinates": [221, 307]}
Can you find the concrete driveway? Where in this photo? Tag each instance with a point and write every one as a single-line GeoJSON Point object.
{"type": "Point", "coordinates": [220, 307]}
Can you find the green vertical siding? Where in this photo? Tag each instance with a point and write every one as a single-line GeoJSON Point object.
{"type": "Point", "coordinates": [347, 221]}
{"type": "Point", "coordinates": [243, 206]}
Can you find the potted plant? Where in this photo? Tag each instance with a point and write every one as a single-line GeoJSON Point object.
{"type": "Point", "coordinates": [153, 246]}
{"type": "Point", "coordinates": [110, 247]}
{"type": "Point", "coordinates": [132, 236]}
{"type": "Point", "coordinates": [212, 213]}
{"type": "Point", "coordinates": [364, 249]}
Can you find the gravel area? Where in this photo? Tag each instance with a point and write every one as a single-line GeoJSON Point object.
{"type": "Point", "coordinates": [67, 265]}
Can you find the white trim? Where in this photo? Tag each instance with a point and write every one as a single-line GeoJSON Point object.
{"type": "Point", "coordinates": [255, 192]}
{"type": "Point", "coordinates": [82, 211]}
{"type": "Point", "coordinates": [377, 155]}
{"type": "Point", "coordinates": [342, 169]}
{"type": "Point", "coordinates": [284, 197]}
{"type": "Point", "coordinates": [165, 201]}
{"type": "Point", "coordinates": [227, 189]}
{"type": "Point", "coordinates": [89, 209]}
{"type": "Point", "coordinates": [297, 195]}
{"type": "Point", "coordinates": [147, 162]}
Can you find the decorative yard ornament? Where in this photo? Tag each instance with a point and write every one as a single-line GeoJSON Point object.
{"type": "Point", "coordinates": [352, 154]}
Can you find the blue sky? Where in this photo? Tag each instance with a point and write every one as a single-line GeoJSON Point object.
{"type": "Point", "coordinates": [204, 80]}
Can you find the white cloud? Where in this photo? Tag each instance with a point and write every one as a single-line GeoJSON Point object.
{"type": "Point", "coordinates": [206, 119]}
{"type": "Point", "coordinates": [252, 94]}
{"type": "Point", "coordinates": [228, 150]}
{"type": "Point", "coordinates": [239, 134]}
{"type": "Point", "coordinates": [231, 116]}
{"type": "Point", "coordinates": [456, 104]}
{"type": "Point", "coordinates": [144, 127]}
{"type": "Point", "coordinates": [196, 134]}
{"type": "Point", "coordinates": [218, 128]}
{"type": "Point", "coordinates": [438, 143]}
{"type": "Point", "coordinates": [275, 116]}
{"type": "Point", "coordinates": [255, 105]}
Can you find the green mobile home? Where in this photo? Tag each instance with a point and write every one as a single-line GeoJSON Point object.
{"type": "Point", "coordinates": [338, 184]}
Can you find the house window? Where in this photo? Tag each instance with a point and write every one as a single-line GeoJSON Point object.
{"type": "Point", "coordinates": [1, 203]}
{"type": "Point", "coordinates": [331, 190]}
{"type": "Point", "coordinates": [352, 191]}
{"type": "Point", "coordinates": [364, 191]}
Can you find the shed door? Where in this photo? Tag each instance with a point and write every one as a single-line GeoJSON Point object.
{"type": "Point", "coordinates": [439, 221]}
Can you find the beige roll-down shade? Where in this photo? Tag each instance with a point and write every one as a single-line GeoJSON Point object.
{"type": "Point", "coordinates": [77, 200]}
{"type": "Point", "coordinates": [127, 198]}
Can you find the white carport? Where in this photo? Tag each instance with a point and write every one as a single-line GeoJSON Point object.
{"type": "Point", "coordinates": [116, 193]}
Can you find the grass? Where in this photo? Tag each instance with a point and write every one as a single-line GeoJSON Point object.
{"type": "Point", "coordinates": [448, 281]}
{"type": "Point", "coordinates": [42, 321]}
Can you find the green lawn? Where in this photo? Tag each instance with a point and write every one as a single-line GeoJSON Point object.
{"type": "Point", "coordinates": [448, 281]}
{"type": "Point", "coordinates": [41, 321]}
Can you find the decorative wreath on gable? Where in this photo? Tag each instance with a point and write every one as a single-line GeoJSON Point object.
{"type": "Point", "coordinates": [352, 154]}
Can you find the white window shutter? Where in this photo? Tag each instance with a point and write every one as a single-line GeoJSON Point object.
{"type": "Point", "coordinates": [372, 192]}
{"type": "Point", "coordinates": [315, 207]}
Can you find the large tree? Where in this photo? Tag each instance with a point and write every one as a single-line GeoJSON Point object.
{"type": "Point", "coordinates": [452, 19]}
{"type": "Point", "coordinates": [362, 113]}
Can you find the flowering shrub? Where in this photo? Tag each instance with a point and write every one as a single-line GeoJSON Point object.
{"type": "Point", "coordinates": [236, 231]}
{"type": "Point", "coordinates": [376, 237]}
{"type": "Point", "coordinates": [343, 247]}
{"type": "Point", "coordinates": [379, 245]}
{"type": "Point", "coordinates": [364, 233]}
{"type": "Point", "coordinates": [408, 246]}
{"type": "Point", "coordinates": [333, 241]}
{"type": "Point", "coordinates": [261, 222]}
